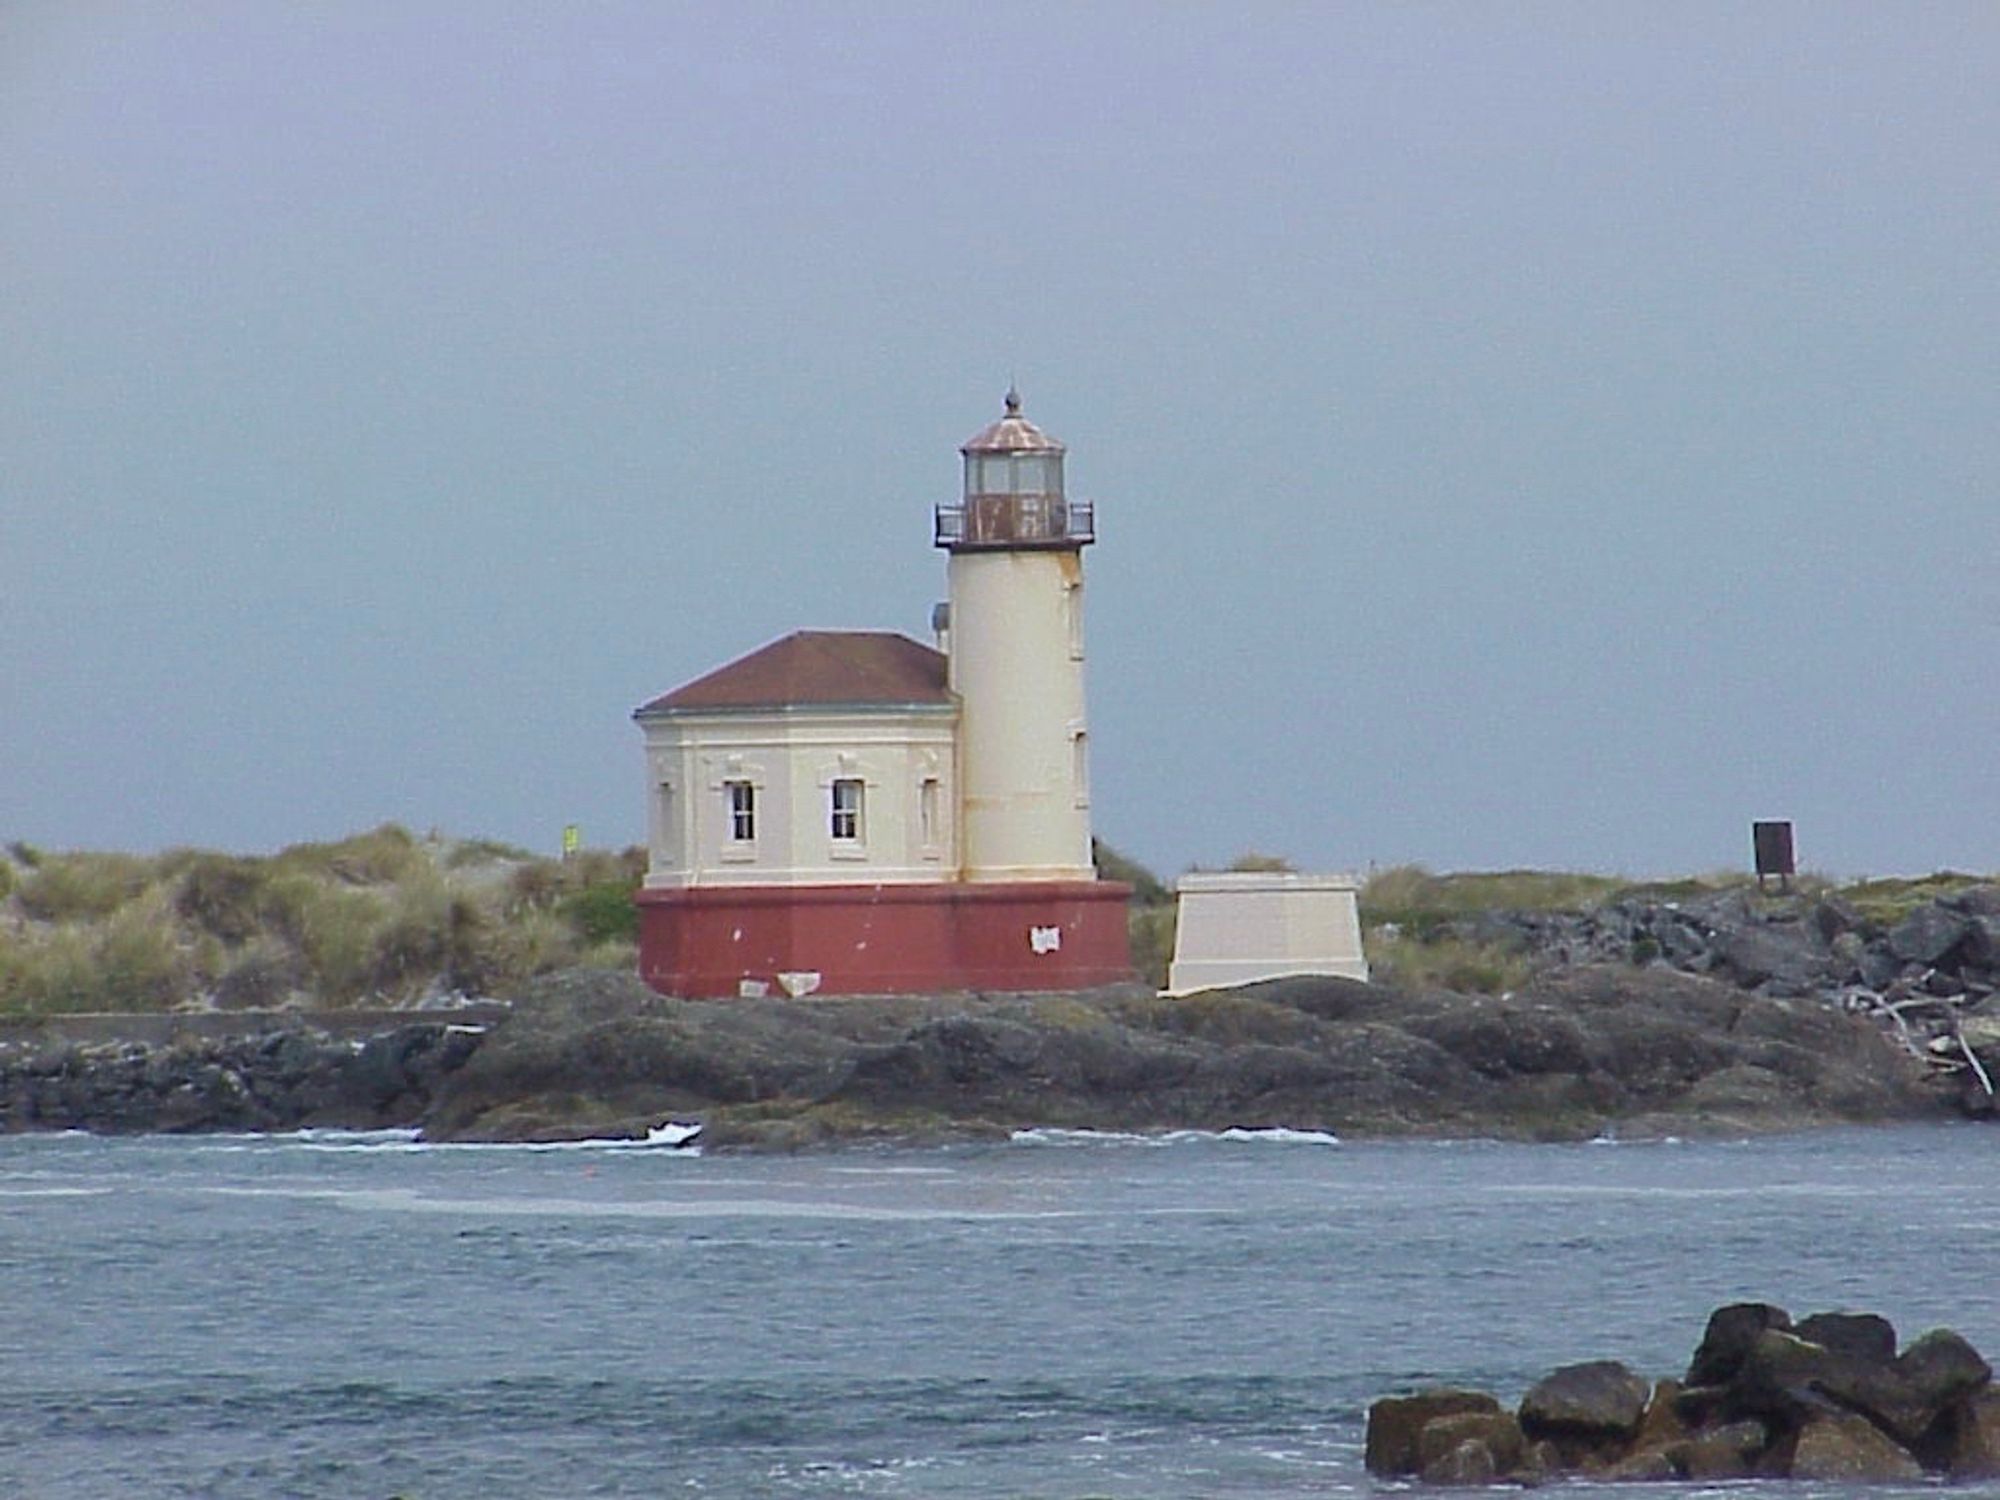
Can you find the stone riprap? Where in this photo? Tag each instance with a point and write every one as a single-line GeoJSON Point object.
{"type": "Point", "coordinates": [285, 1077]}
{"type": "Point", "coordinates": [1829, 1398]}
{"type": "Point", "coordinates": [1931, 978]}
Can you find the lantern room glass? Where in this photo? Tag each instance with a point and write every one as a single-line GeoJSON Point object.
{"type": "Point", "coordinates": [1013, 474]}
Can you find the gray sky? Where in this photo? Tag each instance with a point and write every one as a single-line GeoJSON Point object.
{"type": "Point", "coordinates": [1534, 434]}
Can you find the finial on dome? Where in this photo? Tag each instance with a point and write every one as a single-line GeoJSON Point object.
{"type": "Point", "coordinates": [1013, 400]}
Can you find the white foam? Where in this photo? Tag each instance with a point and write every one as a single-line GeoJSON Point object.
{"type": "Point", "coordinates": [1277, 1135]}
{"type": "Point", "coordinates": [1050, 1135]}
{"type": "Point", "coordinates": [1280, 1135]}
{"type": "Point", "coordinates": [321, 1137]}
{"type": "Point", "coordinates": [676, 1136]}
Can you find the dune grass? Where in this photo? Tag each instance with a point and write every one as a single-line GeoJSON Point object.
{"type": "Point", "coordinates": [381, 918]}
{"type": "Point", "coordinates": [1890, 900]}
{"type": "Point", "coordinates": [386, 917]}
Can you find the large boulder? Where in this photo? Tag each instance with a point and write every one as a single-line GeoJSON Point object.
{"type": "Point", "coordinates": [1499, 1432]}
{"type": "Point", "coordinates": [1928, 934]}
{"type": "Point", "coordinates": [1782, 956]}
{"type": "Point", "coordinates": [1940, 1368]}
{"type": "Point", "coordinates": [1863, 1336]}
{"type": "Point", "coordinates": [1730, 1451]}
{"type": "Point", "coordinates": [1831, 916]}
{"type": "Point", "coordinates": [1395, 1423]}
{"type": "Point", "coordinates": [1469, 1463]}
{"type": "Point", "coordinates": [1840, 1447]}
{"type": "Point", "coordinates": [1971, 1449]}
{"type": "Point", "coordinates": [1980, 947]}
{"type": "Point", "coordinates": [1662, 1422]}
{"type": "Point", "coordinates": [1643, 1465]}
{"type": "Point", "coordinates": [1595, 1403]}
{"type": "Point", "coordinates": [1790, 1379]}
{"type": "Point", "coordinates": [1727, 1339]}
{"type": "Point", "coordinates": [1785, 1378]}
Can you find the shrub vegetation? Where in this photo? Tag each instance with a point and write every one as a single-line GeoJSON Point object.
{"type": "Point", "coordinates": [388, 918]}
{"type": "Point", "coordinates": [1149, 922]}
{"type": "Point", "coordinates": [381, 918]}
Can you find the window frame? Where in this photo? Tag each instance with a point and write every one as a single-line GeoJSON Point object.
{"type": "Point", "coordinates": [844, 823]}
{"type": "Point", "coordinates": [739, 805]}
{"type": "Point", "coordinates": [930, 816]}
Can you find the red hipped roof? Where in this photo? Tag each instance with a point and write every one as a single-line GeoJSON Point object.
{"type": "Point", "coordinates": [818, 668]}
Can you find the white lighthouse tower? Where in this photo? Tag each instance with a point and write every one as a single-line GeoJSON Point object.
{"type": "Point", "coordinates": [1016, 657]}
{"type": "Point", "coordinates": [856, 813]}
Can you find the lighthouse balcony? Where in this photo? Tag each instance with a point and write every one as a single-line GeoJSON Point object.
{"type": "Point", "coordinates": [1016, 522]}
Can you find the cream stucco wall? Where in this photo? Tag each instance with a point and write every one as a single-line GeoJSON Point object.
{"type": "Point", "coordinates": [792, 759]}
{"type": "Point", "coordinates": [1017, 667]}
{"type": "Point", "coordinates": [1239, 928]}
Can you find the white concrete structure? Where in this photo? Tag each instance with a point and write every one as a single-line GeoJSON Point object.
{"type": "Point", "coordinates": [851, 780]}
{"type": "Point", "coordinates": [1241, 927]}
{"type": "Point", "coordinates": [1015, 626]}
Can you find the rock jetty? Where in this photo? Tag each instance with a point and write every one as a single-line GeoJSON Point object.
{"type": "Point", "coordinates": [275, 1073]}
{"type": "Point", "coordinates": [595, 1053]}
{"type": "Point", "coordinates": [1930, 977]}
{"type": "Point", "coordinates": [1582, 1048]}
{"type": "Point", "coordinates": [1828, 1398]}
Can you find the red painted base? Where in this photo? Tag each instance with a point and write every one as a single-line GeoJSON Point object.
{"type": "Point", "coordinates": [885, 939]}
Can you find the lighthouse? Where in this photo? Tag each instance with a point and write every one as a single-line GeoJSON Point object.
{"type": "Point", "coordinates": [856, 812]}
{"type": "Point", "coordinates": [1015, 627]}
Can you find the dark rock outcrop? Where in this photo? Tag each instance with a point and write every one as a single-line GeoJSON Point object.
{"type": "Point", "coordinates": [265, 1080]}
{"type": "Point", "coordinates": [1571, 1056]}
{"type": "Point", "coordinates": [1765, 1399]}
{"type": "Point", "coordinates": [596, 1053]}
{"type": "Point", "coordinates": [1929, 979]}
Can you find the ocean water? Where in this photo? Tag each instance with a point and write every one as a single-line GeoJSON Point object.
{"type": "Point", "coordinates": [1063, 1316]}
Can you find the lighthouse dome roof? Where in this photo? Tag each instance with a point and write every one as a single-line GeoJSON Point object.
{"type": "Point", "coordinates": [1013, 433]}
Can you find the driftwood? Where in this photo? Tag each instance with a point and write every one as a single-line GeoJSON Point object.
{"type": "Point", "coordinates": [1946, 1035]}
{"type": "Point", "coordinates": [1903, 1032]}
{"type": "Point", "coordinates": [1978, 1071]}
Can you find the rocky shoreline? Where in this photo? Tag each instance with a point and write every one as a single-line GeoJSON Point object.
{"type": "Point", "coordinates": [282, 1075]}
{"type": "Point", "coordinates": [1722, 1014]}
{"type": "Point", "coordinates": [1929, 977]}
{"type": "Point", "coordinates": [593, 1053]}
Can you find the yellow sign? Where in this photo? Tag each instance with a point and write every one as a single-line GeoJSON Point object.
{"type": "Point", "coordinates": [572, 840]}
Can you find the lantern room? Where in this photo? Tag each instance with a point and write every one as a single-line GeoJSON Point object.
{"type": "Point", "coordinates": [1013, 495]}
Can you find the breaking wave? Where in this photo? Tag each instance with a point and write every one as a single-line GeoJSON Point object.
{"type": "Point", "coordinates": [1274, 1135]}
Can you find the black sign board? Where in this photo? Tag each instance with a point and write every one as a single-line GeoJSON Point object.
{"type": "Point", "coordinates": [1773, 843]}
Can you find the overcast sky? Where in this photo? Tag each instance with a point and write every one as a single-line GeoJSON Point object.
{"type": "Point", "coordinates": [1527, 434]}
